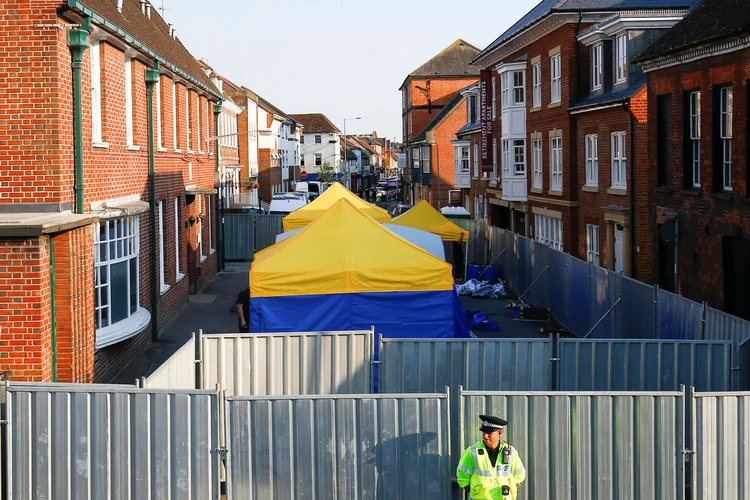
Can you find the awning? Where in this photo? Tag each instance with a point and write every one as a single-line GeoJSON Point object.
{"type": "Point", "coordinates": [197, 190]}
{"type": "Point", "coordinates": [32, 225]}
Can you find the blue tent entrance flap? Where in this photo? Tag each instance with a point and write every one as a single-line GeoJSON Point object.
{"type": "Point", "coordinates": [394, 314]}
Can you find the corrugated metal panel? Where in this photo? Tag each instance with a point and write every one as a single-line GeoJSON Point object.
{"type": "Point", "coordinates": [721, 468]}
{"type": "Point", "coordinates": [723, 326]}
{"type": "Point", "coordinates": [339, 447]}
{"type": "Point", "coordinates": [644, 365]}
{"type": "Point", "coordinates": [637, 310]}
{"type": "Point", "coordinates": [289, 363]}
{"type": "Point", "coordinates": [266, 229]}
{"type": "Point", "coordinates": [678, 317]}
{"type": "Point", "coordinates": [178, 372]}
{"type": "Point", "coordinates": [743, 363]}
{"type": "Point", "coordinates": [111, 442]}
{"type": "Point", "coordinates": [430, 365]}
{"type": "Point", "coordinates": [584, 446]}
{"type": "Point", "coordinates": [539, 295]}
{"type": "Point", "coordinates": [238, 236]}
{"type": "Point", "coordinates": [603, 297]}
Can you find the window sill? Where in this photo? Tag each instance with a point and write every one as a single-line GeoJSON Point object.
{"type": "Point", "coordinates": [617, 191]}
{"type": "Point", "coordinates": [165, 289]}
{"type": "Point", "coordinates": [100, 145]}
{"type": "Point", "coordinates": [132, 148]}
{"type": "Point", "coordinates": [691, 191]}
{"type": "Point", "coordinates": [555, 104]}
{"type": "Point", "coordinates": [178, 150]}
{"type": "Point", "coordinates": [726, 196]}
{"type": "Point", "coordinates": [664, 189]}
{"type": "Point", "coordinates": [493, 184]}
{"type": "Point", "coordinates": [475, 177]}
{"type": "Point", "coordinates": [535, 109]}
{"type": "Point", "coordinates": [202, 153]}
{"type": "Point", "coordinates": [554, 192]}
{"type": "Point", "coordinates": [213, 251]}
{"type": "Point", "coordinates": [203, 258]}
{"type": "Point", "coordinates": [123, 330]}
{"type": "Point", "coordinates": [590, 189]}
{"type": "Point", "coordinates": [190, 152]}
{"type": "Point", "coordinates": [161, 150]}
{"type": "Point", "coordinates": [179, 277]}
{"type": "Point", "coordinates": [536, 190]}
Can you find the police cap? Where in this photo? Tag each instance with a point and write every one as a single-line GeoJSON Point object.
{"type": "Point", "coordinates": [491, 424]}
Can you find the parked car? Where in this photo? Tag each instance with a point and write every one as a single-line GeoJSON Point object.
{"type": "Point", "coordinates": [312, 188]}
{"type": "Point", "coordinates": [285, 203]}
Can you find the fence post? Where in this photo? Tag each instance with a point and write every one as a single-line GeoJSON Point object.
{"type": "Point", "coordinates": [688, 451]}
{"type": "Point", "coordinates": [198, 345]}
{"type": "Point", "coordinates": [555, 361]}
{"type": "Point", "coordinates": [703, 321]}
{"type": "Point", "coordinates": [657, 333]}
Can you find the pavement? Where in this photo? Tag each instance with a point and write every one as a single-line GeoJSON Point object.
{"type": "Point", "coordinates": [210, 310]}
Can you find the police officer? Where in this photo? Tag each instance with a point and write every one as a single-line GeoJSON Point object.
{"type": "Point", "coordinates": [491, 469]}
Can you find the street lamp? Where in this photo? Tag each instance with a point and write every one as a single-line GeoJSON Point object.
{"type": "Point", "coordinates": [343, 169]}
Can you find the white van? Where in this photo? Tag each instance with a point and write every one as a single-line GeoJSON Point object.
{"type": "Point", "coordinates": [312, 188]}
{"type": "Point", "coordinates": [285, 203]}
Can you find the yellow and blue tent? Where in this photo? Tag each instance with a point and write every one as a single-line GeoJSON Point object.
{"type": "Point", "coordinates": [305, 215]}
{"type": "Point", "coordinates": [345, 271]}
{"type": "Point", "coordinates": [423, 216]}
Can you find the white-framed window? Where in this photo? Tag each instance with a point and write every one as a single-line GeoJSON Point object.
{"type": "Point", "coordinates": [158, 114]}
{"type": "Point", "coordinates": [188, 125]}
{"type": "Point", "coordinates": [519, 157]}
{"type": "Point", "coordinates": [174, 115]}
{"type": "Point", "coordinates": [494, 158]}
{"type": "Point", "coordinates": [96, 92]}
{"type": "Point", "coordinates": [619, 249]}
{"type": "Point", "coordinates": [504, 90]}
{"type": "Point", "coordinates": [506, 158]}
{"type": "Point", "coordinates": [128, 101]}
{"type": "Point", "coordinates": [162, 246]}
{"type": "Point", "coordinates": [519, 88]}
{"type": "Point", "coordinates": [201, 247]}
{"type": "Point", "coordinates": [476, 160]}
{"type": "Point", "coordinates": [548, 231]}
{"type": "Point", "coordinates": [199, 146]}
{"type": "Point", "coordinates": [318, 139]}
{"type": "Point", "coordinates": [494, 98]}
{"type": "Point", "coordinates": [178, 272]}
{"type": "Point", "coordinates": [592, 244]}
{"type": "Point", "coordinates": [318, 160]}
{"type": "Point", "coordinates": [116, 271]}
{"type": "Point", "coordinates": [695, 136]}
{"type": "Point", "coordinates": [208, 218]}
{"type": "Point", "coordinates": [425, 160]}
{"type": "Point", "coordinates": [555, 78]}
{"type": "Point", "coordinates": [592, 160]}
{"type": "Point", "coordinates": [302, 139]}
{"type": "Point", "coordinates": [596, 66]}
{"type": "Point", "coordinates": [536, 146]}
{"type": "Point", "coordinates": [536, 72]}
{"type": "Point", "coordinates": [725, 126]}
{"type": "Point", "coordinates": [464, 158]}
{"type": "Point", "coordinates": [403, 99]}
{"type": "Point", "coordinates": [555, 162]}
{"type": "Point", "coordinates": [621, 58]}
{"type": "Point", "coordinates": [619, 160]}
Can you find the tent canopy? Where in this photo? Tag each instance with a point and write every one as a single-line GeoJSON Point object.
{"type": "Point", "coordinates": [305, 215]}
{"type": "Point", "coordinates": [428, 241]}
{"type": "Point", "coordinates": [346, 251]}
{"type": "Point", "coordinates": [424, 216]}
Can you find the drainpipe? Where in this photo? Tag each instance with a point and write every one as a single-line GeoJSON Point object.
{"type": "Point", "coordinates": [78, 43]}
{"type": "Point", "coordinates": [53, 306]}
{"type": "Point", "coordinates": [632, 190]}
{"type": "Point", "coordinates": [152, 77]}
{"type": "Point", "coordinates": [219, 244]}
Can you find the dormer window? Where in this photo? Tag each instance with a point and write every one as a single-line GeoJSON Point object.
{"type": "Point", "coordinates": [621, 56]}
{"type": "Point", "coordinates": [596, 67]}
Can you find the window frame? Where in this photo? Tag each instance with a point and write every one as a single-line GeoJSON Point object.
{"type": "Point", "coordinates": [597, 75]}
{"type": "Point", "coordinates": [475, 159]}
{"type": "Point", "coordinates": [178, 274]}
{"type": "Point", "coordinates": [519, 88]}
{"type": "Point", "coordinates": [96, 92]}
{"type": "Point", "coordinates": [506, 161]}
{"type": "Point", "coordinates": [555, 164]}
{"type": "Point", "coordinates": [556, 78]}
{"type": "Point", "coordinates": [494, 158]}
{"type": "Point", "coordinates": [548, 231]}
{"type": "Point", "coordinates": [538, 167]}
{"type": "Point", "coordinates": [592, 159]}
{"type": "Point", "coordinates": [618, 146]}
{"type": "Point", "coordinates": [425, 160]}
{"type": "Point", "coordinates": [592, 244]}
{"type": "Point", "coordinates": [465, 159]}
{"type": "Point", "coordinates": [621, 58]}
{"type": "Point", "coordinates": [318, 159]}
{"type": "Point", "coordinates": [695, 136]}
{"type": "Point", "coordinates": [494, 97]}
{"type": "Point", "coordinates": [164, 287]}
{"type": "Point", "coordinates": [174, 116]}
{"type": "Point", "coordinates": [504, 91]}
{"type": "Point", "coordinates": [128, 70]}
{"type": "Point", "coordinates": [318, 139]}
{"type": "Point", "coordinates": [519, 143]}
{"type": "Point", "coordinates": [536, 72]}
{"type": "Point", "coordinates": [726, 115]}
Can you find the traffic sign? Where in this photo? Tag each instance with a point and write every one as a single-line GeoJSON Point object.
{"type": "Point", "coordinates": [303, 175]}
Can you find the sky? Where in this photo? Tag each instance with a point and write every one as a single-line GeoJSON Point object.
{"type": "Point", "coordinates": [341, 58]}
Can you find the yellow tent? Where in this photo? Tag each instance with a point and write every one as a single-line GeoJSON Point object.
{"type": "Point", "coordinates": [305, 215]}
{"type": "Point", "coordinates": [423, 216]}
{"type": "Point", "coordinates": [345, 251]}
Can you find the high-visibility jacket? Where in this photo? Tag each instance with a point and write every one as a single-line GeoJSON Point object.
{"type": "Point", "coordinates": [486, 482]}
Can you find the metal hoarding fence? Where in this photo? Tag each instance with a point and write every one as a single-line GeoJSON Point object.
{"type": "Point", "coordinates": [339, 447]}
{"type": "Point", "coordinates": [678, 317]}
{"type": "Point", "coordinates": [267, 227]}
{"type": "Point", "coordinates": [721, 424]}
{"type": "Point", "coordinates": [585, 446]}
{"type": "Point", "coordinates": [288, 363]}
{"type": "Point", "coordinates": [78, 441]}
{"type": "Point", "coordinates": [178, 372]}
{"type": "Point", "coordinates": [723, 326]}
{"type": "Point", "coordinates": [239, 243]}
{"type": "Point", "coordinates": [643, 365]}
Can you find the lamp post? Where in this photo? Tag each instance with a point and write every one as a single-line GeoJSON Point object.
{"type": "Point", "coordinates": [344, 163]}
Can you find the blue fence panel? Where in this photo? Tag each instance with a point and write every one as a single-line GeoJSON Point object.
{"type": "Point", "coordinates": [743, 375]}
{"type": "Point", "coordinates": [238, 236]}
{"type": "Point", "coordinates": [558, 283]}
{"type": "Point", "coordinates": [677, 317]}
{"type": "Point", "coordinates": [637, 316]}
{"type": "Point", "coordinates": [539, 295]}
{"type": "Point", "coordinates": [579, 296]}
{"type": "Point", "coordinates": [512, 261]}
{"type": "Point", "coordinates": [524, 264]}
{"type": "Point", "coordinates": [644, 365]}
{"type": "Point", "coordinates": [603, 298]}
{"type": "Point", "coordinates": [722, 326]}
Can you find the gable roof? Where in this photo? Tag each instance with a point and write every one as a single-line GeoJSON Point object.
{"type": "Point", "coordinates": [447, 109]}
{"type": "Point", "coordinates": [709, 21]}
{"type": "Point", "coordinates": [152, 33]}
{"type": "Point", "coordinates": [315, 122]}
{"type": "Point", "coordinates": [273, 109]}
{"type": "Point", "coordinates": [547, 7]}
{"type": "Point", "coordinates": [451, 61]}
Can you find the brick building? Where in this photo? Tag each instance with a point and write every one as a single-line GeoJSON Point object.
{"type": "Point", "coordinates": [247, 136]}
{"type": "Point", "coordinates": [534, 73]}
{"type": "Point", "coordinates": [698, 78]}
{"type": "Point", "coordinates": [98, 253]}
{"type": "Point", "coordinates": [425, 91]}
{"type": "Point", "coordinates": [279, 153]}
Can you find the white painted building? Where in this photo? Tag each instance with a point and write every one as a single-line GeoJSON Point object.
{"type": "Point", "coordinates": [320, 142]}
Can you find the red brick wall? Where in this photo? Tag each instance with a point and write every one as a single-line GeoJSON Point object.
{"type": "Point", "coordinates": [443, 155]}
{"type": "Point", "coordinates": [441, 91]}
{"type": "Point", "coordinates": [706, 217]}
{"type": "Point", "coordinates": [25, 309]}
